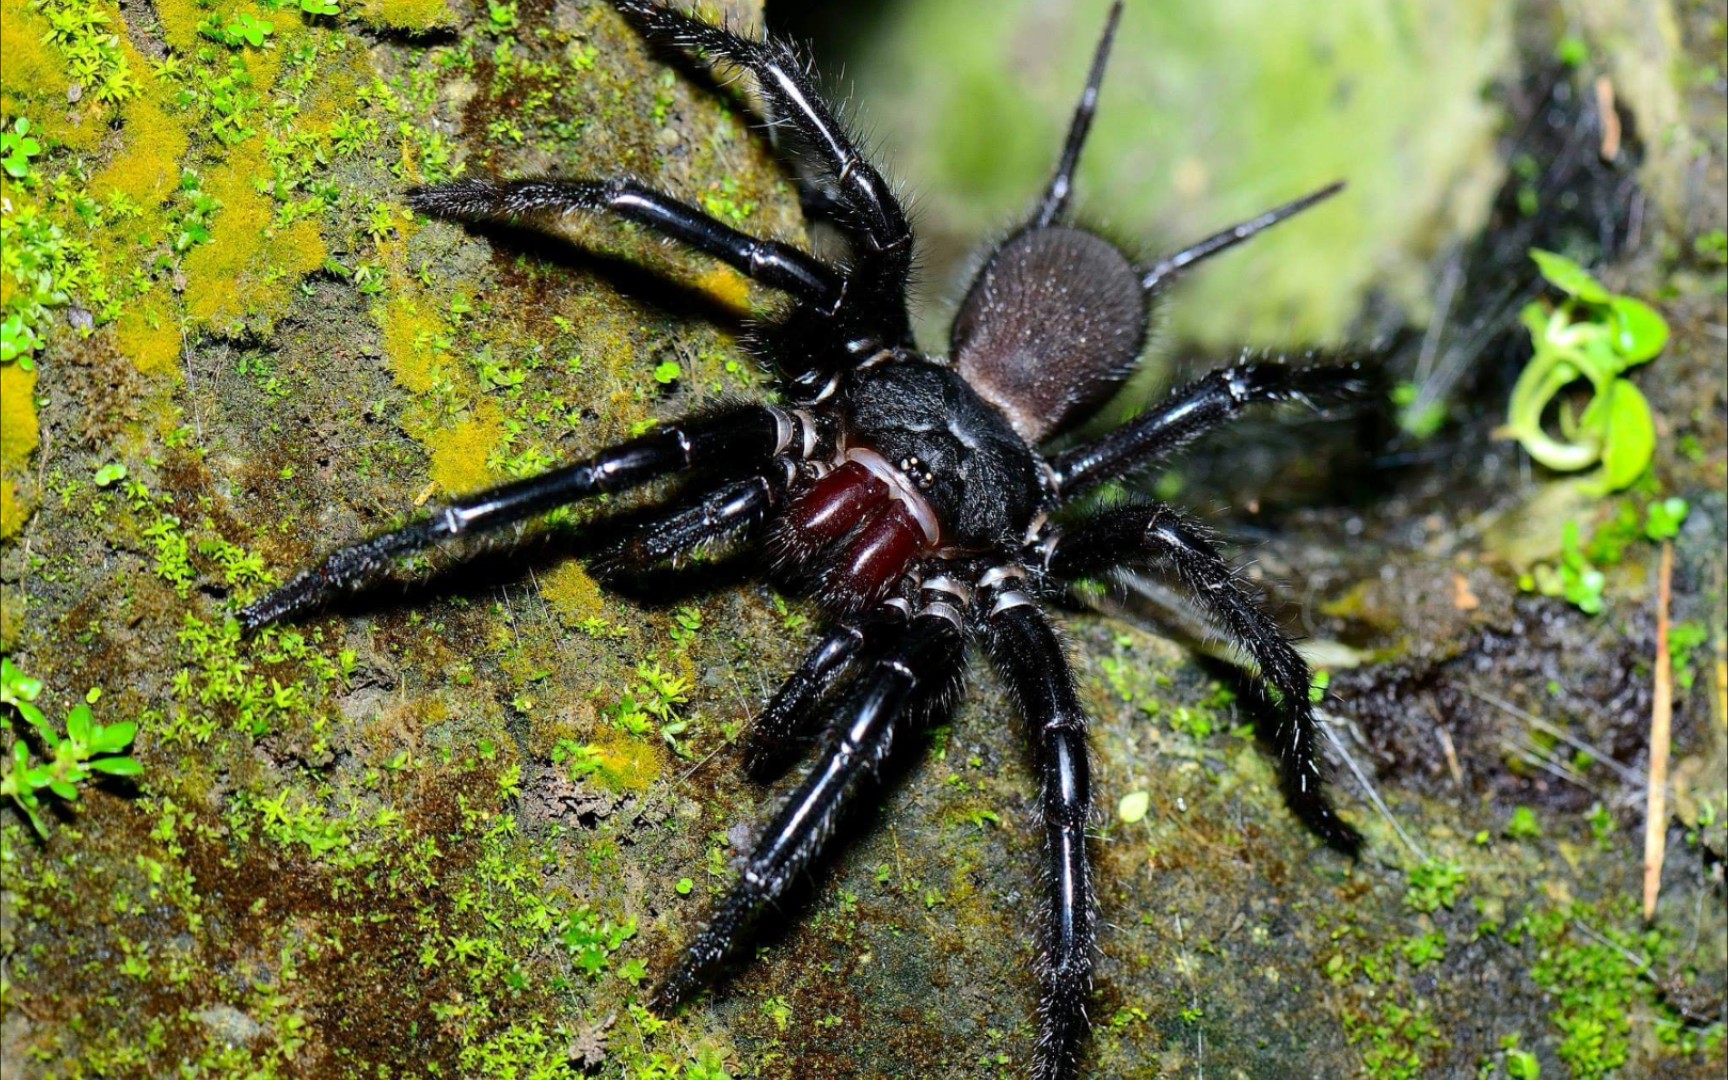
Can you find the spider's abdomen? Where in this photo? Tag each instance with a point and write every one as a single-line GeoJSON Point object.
{"type": "Point", "coordinates": [1050, 328]}
{"type": "Point", "coordinates": [926, 466]}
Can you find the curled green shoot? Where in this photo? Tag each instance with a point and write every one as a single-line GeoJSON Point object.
{"type": "Point", "coordinates": [1594, 336]}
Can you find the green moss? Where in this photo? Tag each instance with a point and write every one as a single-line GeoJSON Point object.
{"type": "Point", "coordinates": [149, 137]}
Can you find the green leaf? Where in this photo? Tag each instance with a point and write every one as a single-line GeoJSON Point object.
{"type": "Point", "coordinates": [1663, 519]}
{"type": "Point", "coordinates": [28, 805]}
{"type": "Point", "coordinates": [39, 721]}
{"type": "Point", "coordinates": [113, 738]}
{"type": "Point", "coordinates": [668, 373]}
{"type": "Point", "coordinates": [64, 790]}
{"type": "Point", "coordinates": [78, 725]}
{"type": "Point", "coordinates": [1640, 333]}
{"type": "Point", "coordinates": [1569, 277]}
{"type": "Point", "coordinates": [15, 686]}
{"type": "Point", "coordinates": [109, 474]}
{"type": "Point", "coordinates": [117, 766]}
{"type": "Point", "coordinates": [1133, 806]}
{"type": "Point", "coordinates": [1630, 438]}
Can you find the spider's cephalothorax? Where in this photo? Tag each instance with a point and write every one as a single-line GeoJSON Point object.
{"type": "Point", "coordinates": [907, 492]}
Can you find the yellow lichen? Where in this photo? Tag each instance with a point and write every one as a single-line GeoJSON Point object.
{"type": "Point", "coordinates": [180, 19]}
{"type": "Point", "coordinates": [459, 453]}
{"type": "Point", "coordinates": [150, 338]}
{"type": "Point", "coordinates": [248, 269]}
{"type": "Point", "coordinates": [573, 594]}
{"type": "Point", "coordinates": [146, 168]}
{"type": "Point", "coordinates": [411, 337]}
{"type": "Point", "coordinates": [407, 14]}
{"type": "Point", "coordinates": [19, 433]}
{"type": "Point", "coordinates": [727, 286]}
{"type": "Point", "coordinates": [33, 75]}
{"type": "Point", "coordinates": [13, 512]}
{"type": "Point", "coordinates": [625, 764]}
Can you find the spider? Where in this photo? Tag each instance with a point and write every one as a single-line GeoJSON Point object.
{"type": "Point", "coordinates": [906, 492]}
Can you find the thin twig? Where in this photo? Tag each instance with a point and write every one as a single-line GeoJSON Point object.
{"type": "Point", "coordinates": [1325, 720]}
{"type": "Point", "coordinates": [1626, 773]}
{"type": "Point", "coordinates": [1661, 720]}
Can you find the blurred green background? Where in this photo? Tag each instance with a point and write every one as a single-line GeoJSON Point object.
{"type": "Point", "coordinates": [1210, 113]}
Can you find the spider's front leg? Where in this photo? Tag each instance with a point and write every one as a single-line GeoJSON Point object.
{"type": "Point", "coordinates": [927, 658]}
{"type": "Point", "coordinates": [784, 718]}
{"type": "Point", "coordinates": [745, 435]}
{"type": "Point", "coordinates": [1029, 657]}
{"type": "Point", "coordinates": [872, 215]}
{"type": "Point", "coordinates": [1157, 534]}
{"type": "Point", "coordinates": [542, 202]}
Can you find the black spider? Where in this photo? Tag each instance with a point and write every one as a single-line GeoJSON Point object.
{"type": "Point", "coordinates": [906, 492]}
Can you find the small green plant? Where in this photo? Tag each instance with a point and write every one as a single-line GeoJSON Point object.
{"type": "Point", "coordinates": [1596, 336]}
{"type": "Point", "coordinates": [1573, 577]}
{"type": "Point", "coordinates": [1433, 885]}
{"type": "Point", "coordinates": [88, 748]}
{"type": "Point", "coordinates": [1523, 824]}
{"type": "Point", "coordinates": [242, 29]}
{"type": "Point", "coordinates": [321, 7]}
{"type": "Point", "coordinates": [1662, 520]}
{"type": "Point", "coordinates": [17, 148]}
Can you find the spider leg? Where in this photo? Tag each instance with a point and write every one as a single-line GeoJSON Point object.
{"type": "Point", "coordinates": [1030, 659]}
{"type": "Point", "coordinates": [927, 657]}
{"type": "Point", "coordinates": [710, 518]}
{"type": "Point", "coordinates": [776, 265]}
{"type": "Point", "coordinates": [752, 433]}
{"type": "Point", "coordinates": [783, 719]}
{"type": "Point", "coordinates": [1061, 187]}
{"type": "Point", "coordinates": [1192, 410]}
{"type": "Point", "coordinates": [874, 216]}
{"type": "Point", "coordinates": [1158, 534]}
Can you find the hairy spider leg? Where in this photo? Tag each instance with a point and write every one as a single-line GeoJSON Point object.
{"type": "Point", "coordinates": [1061, 188]}
{"type": "Point", "coordinates": [1029, 657]}
{"type": "Point", "coordinates": [794, 705]}
{"type": "Point", "coordinates": [1158, 535]}
{"type": "Point", "coordinates": [873, 314]}
{"type": "Point", "coordinates": [1193, 410]}
{"type": "Point", "coordinates": [926, 659]}
{"type": "Point", "coordinates": [876, 217]}
{"type": "Point", "coordinates": [776, 265]}
{"type": "Point", "coordinates": [707, 519]}
{"type": "Point", "coordinates": [1169, 266]}
{"type": "Point", "coordinates": [749, 434]}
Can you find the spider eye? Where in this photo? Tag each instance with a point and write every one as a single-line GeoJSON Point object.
{"type": "Point", "coordinates": [1052, 325]}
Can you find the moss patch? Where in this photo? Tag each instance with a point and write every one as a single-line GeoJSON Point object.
{"type": "Point", "coordinates": [19, 430]}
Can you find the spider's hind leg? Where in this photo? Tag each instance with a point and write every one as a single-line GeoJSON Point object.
{"type": "Point", "coordinates": [1061, 189]}
{"type": "Point", "coordinates": [925, 659]}
{"type": "Point", "coordinates": [1159, 535]}
{"type": "Point", "coordinates": [1207, 403]}
{"type": "Point", "coordinates": [752, 433]}
{"type": "Point", "coordinates": [1029, 657]}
